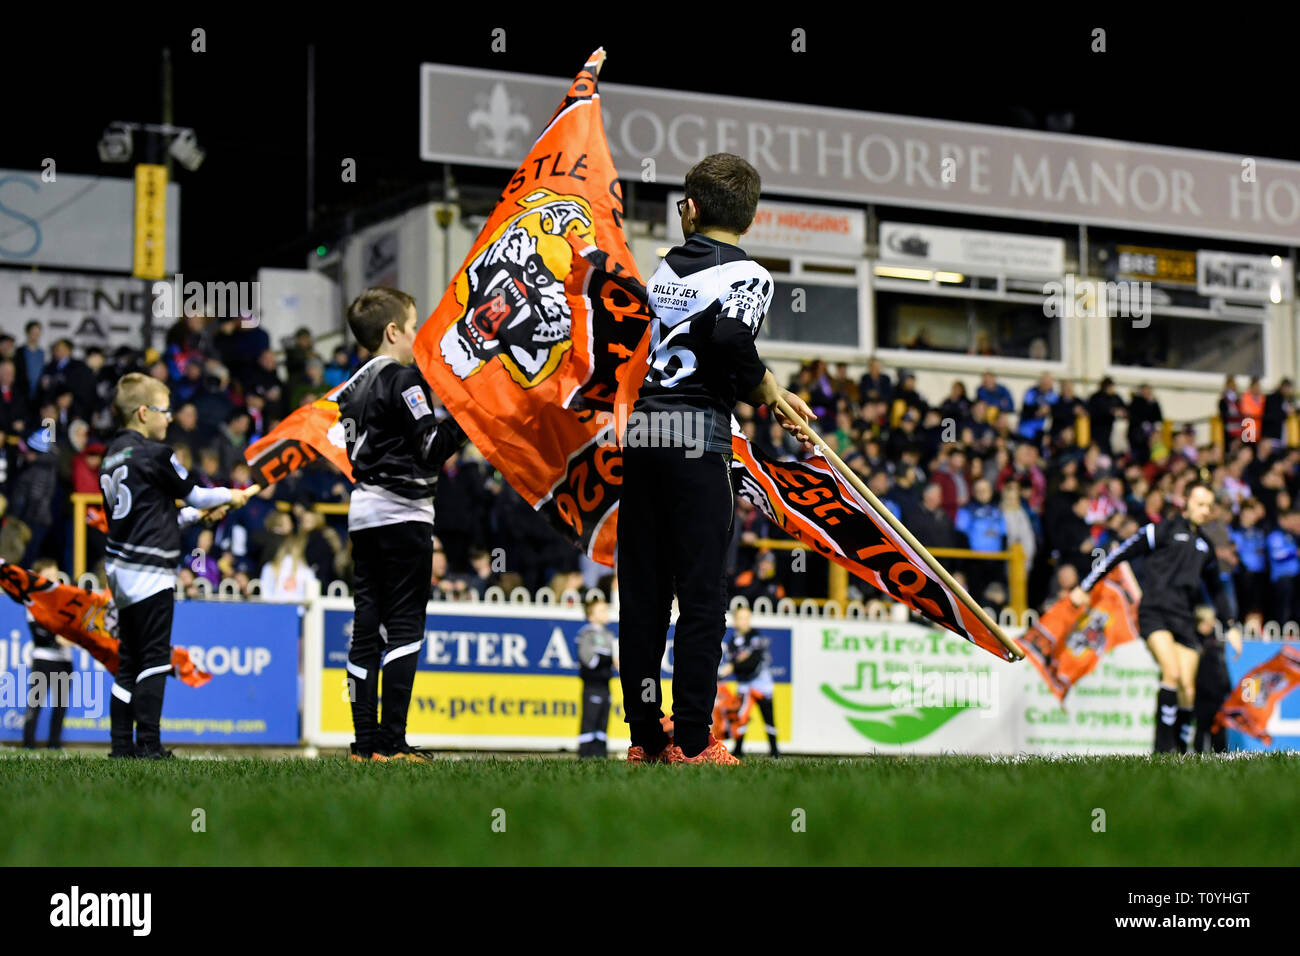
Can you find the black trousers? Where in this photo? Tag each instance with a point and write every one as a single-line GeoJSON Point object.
{"type": "Point", "coordinates": [50, 691]}
{"type": "Point", "coordinates": [674, 518]}
{"type": "Point", "coordinates": [1213, 685]}
{"type": "Point", "coordinates": [145, 631]}
{"type": "Point", "coordinates": [595, 718]}
{"type": "Point", "coordinates": [391, 588]}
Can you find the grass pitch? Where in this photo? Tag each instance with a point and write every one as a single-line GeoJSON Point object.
{"type": "Point", "coordinates": [86, 810]}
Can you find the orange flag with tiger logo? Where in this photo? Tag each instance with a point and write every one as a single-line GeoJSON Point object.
{"type": "Point", "coordinates": [532, 340]}
{"type": "Point", "coordinates": [1066, 643]}
{"type": "Point", "coordinates": [1250, 706]}
{"type": "Point", "coordinates": [86, 618]}
{"type": "Point", "coordinates": [307, 433]}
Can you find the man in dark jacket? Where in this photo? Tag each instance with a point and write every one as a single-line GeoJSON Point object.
{"type": "Point", "coordinates": [1144, 418]}
{"type": "Point", "coordinates": [1103, 408]}
{"type": "Point", "coordinates": [1277, 406]}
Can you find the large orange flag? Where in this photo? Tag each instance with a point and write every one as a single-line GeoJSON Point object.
{"type": "Point", "coordinates": [1251, 705]}
{"type": "Point", "coordinates": [1066, 643]}
{"type": "Point", "coordinates": [307, 433]}
{"type": "Point", "coordinates": [811, 501]}
{"type": "Point", "coordinates": [87, 618]}
{"type": "Point", "coordinates": [531, 342]}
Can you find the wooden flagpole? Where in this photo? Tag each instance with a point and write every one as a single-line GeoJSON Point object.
{"type": "Point", "coordinates": [901, 531]}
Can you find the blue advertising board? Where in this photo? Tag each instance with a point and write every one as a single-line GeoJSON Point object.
{"type": "Point", "coordinates": [253, 698]}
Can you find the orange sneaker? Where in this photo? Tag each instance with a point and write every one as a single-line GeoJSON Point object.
{"type": "Point", "coordinates": [363, 758]}
{"type": "Point", "coordinates": [667, 755]}
{"type": "Point", "coordinates": [715, 752]}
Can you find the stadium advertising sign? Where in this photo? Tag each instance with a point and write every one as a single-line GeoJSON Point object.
{"type": "Point", "coordinates": [493, 676]}
{"type": "Point", "coordinates": [875, 687]}
{"type": "Point", "coordinates": [1166, 266]}
{"type": "Point", "coordinates": [1231, 275]}
{"type": "Point", "coordinates": [78, 222]}
{"type": "Point", "coordinates": [486, 117]}
{"type": "Point", "coordinates": [797, 227]}
{"type": "Point", "coordinates": [91, 310]}
{"type": "Point", "coordinates": [251, 650]}
{"type": "Point", "coordinates": [966, 250]}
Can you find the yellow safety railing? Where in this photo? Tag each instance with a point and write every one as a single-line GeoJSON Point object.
{"type": "Point", "coordinates": [838, 579]}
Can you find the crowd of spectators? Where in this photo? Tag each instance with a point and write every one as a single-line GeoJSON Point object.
{"type": "Point", "coordinates": [980, 472]}
{"type": "Point", "coordinates": [961, 470]}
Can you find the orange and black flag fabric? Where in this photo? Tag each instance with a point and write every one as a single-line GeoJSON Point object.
{"type": "Point", "coordinates": [532, 340]}
{"type": "Point", "coordinates": [307, 433]}
{"type": "Point", "coordinates": [86, 618]}
{"type": "Point", "coordinates": [1066, 643]}
{"type": "Point", "coordinates": [1250, 707]}
{"type": "Point", "coordinates": [812, 502]}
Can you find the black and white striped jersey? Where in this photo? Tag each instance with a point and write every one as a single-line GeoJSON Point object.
{"type": "Point", "coordinates": [396, 443]}
{"type": "Point", "coordinates": [709, 300]}
{"type": "Point", "coordinates": [141, 480]}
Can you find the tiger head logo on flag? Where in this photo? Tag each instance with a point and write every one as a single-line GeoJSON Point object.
{"type": "Point", "coordinates": [512, 298]}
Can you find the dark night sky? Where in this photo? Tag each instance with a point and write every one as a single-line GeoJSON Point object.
{"type": "Point", "coordinates": [1206, 85]}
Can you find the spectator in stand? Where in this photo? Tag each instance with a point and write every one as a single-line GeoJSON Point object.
{"type": "Point", "coordinates": [213, 401]}
{"type": "Point", "coordinates": [844, 386]}
{"type": "Point", "coordinates": [14, 412]}
{"type": "Point", "coordinates": [33, 491]}
{"type": "Point", "coordinates": [232, 438]}
{"type": "Point", "coordinates": [1277, 407]}
{"type": "Point", "coordinates": [310, 386]}
{"type": "Point", "coordinates": [185, 343]}
{"type": "Point", "coordinates": [876, 382]}
{"type": "Point", "coordinates": [906, 398]}
{"type": "Point", "coordinates": [995, 395]}
{"type": "Point", "coordinates": [1250, 538]}
{"type": "Point", "coordinates": [949, 473]}
{"type": "Point", "coordinates": [65, 374]}
{"type": "Point", "coordinates": [956, 407]}
{"type": "Point", "coordinates": [237, 344]}
{"type": "Point", "coordinates": [1104, 406]}
{"type": "Point", "coordinates": [1024, 469]}
{"type": "Point", "coordinates": [1067, 409]}
{"type": "Point", "coordinates": [1230, 410]}
{"type": "Point", "coordinates": [1253, 408]}
{"type": "Point", "coordinates": [29, 361]}
{"type": "Point", "coordinates": [297, 354]}
{"type": "Point", "coordinates": [930, 523]}
{"type": "Point", "coordinates": [1144, 418]}
{"type": "Point", "coordinates": [1019, 525]}
{"type": "Point", "coordinates": [986, 529]}
{"type": "Point", "coordinates": [1037, 410]}
{"type": "Point", "coordinates": [264, 380]}
{"type": "Point", "coordinates": [287, 575]}
{"type": "Point", "coordinates": [184, 427]}
{"type": "Point", "coordinates": [1284, 566]}
{"type": "Point", "coordinates": [762, 581]}
{"type": "Point", "coordinates": [340, 368]}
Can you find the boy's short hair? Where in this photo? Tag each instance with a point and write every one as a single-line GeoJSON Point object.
{"type": "Point", "coordinates": [41, 565]}
{"type": "Point", "coordinates": [725, 189]}
{"type": "Point", "coordinates": [133, 390]}
{"type": "Point", "coordinates": [371, 311]}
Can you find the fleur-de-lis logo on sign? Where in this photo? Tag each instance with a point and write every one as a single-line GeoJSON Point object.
{"type": "Point", "coordinates": [501, 121]}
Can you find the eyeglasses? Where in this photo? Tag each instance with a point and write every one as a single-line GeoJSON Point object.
{"type": "Point", "coordinates": [681, 206]}
{"type": "Point", "coordinates": [160, 411]}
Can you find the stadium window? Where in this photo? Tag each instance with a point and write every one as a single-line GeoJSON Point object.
{"type": "Point", "coordinates": [1221, 346]}
{"type": "Point", "coordinates": [967, 326]}
{"type": "Point", "coordinates": [804, 312]}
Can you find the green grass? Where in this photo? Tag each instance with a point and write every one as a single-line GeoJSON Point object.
{"type": "Point", "coordinates": [88, 810]}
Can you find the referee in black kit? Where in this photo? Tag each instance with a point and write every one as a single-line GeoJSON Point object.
{"type": "Point", "coordinates": [1180, 558]}
{"type": "Point", "coordinates": [709, 300]}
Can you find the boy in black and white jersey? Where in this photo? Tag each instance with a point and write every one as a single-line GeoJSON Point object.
{"type": "Point", "coordinates": [675, 512]}
{"type": "Point", "coordinates": [397, 446]}
{"type": "Point", "coordinates": [141, 480]}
